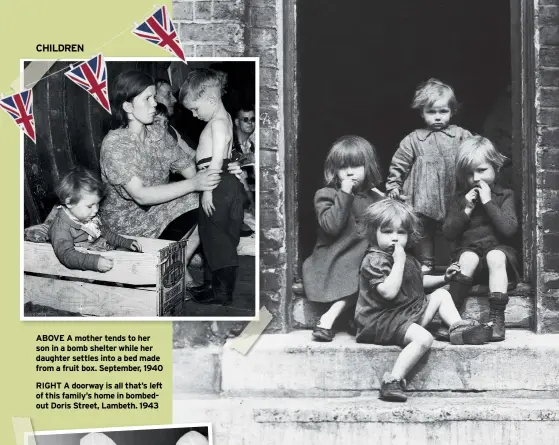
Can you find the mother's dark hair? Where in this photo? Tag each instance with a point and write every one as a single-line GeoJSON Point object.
{"type": "Point", "coordinates": [126, 86]}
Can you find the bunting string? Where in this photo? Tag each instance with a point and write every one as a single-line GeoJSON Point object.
{"type": "Point", "coordinates": [91, 75]}
{"type": "Point", "coordinates": [128, 28]}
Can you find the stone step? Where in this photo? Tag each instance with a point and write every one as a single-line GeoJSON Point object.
{"type": "Point", "coordinates": [367, 420]}
{"type": "Point", "coordinates": [518, 314]}
{"type": "Point", "coordinates": [291, 365]}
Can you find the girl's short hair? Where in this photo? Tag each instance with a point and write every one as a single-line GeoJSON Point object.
{"type": "Point", "coordinates": [126, 86]}
{"type": "Point", "coordinates": [474, 151]}
{"type": "Point", "coordinates": [75, 182]}
{"type": "Point", "coordinates": [430, 92]}
{"type": "Point", "coordinates": [199, 80]}
{"type": "Point", "coordinates": [352, 151]}
{"type": "Point", "coordinates": [387, 213]}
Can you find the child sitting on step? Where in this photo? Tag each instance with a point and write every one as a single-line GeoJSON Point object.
{"type": "Point", "coordinates": [392, 307]}
{"type": "Point", "coordinates": [331, 273]}
{"type": "Point", "coordinates": [76, 222]}
{"type": "Point", "coordinates": [480, 222]}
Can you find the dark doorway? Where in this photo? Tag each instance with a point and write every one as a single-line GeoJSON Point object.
{"type": "Point", "coordinates": [360, 62]}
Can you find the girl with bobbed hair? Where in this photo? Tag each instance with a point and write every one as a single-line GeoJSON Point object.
{"type": "Point", "coordinates": [330, 274]}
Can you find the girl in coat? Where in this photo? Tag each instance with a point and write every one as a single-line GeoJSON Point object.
{"type": "Point", "coordinates": [422, 169]}
{"type": "Point", "coordinates": [480, 223]}
{"type": "Point", "coordinates": [330, 274]}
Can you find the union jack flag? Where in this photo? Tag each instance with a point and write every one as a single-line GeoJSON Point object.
{"type": "Point", "coordinates": [20, 107]}
{"type": "Point", "coordinates": [91, 75]}
{"type": "Point", "coordinates": [159, 30]}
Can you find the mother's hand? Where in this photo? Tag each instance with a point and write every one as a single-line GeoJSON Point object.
{"type": "Point", "coordinates": [235, 169]}
{"type": "Point", "coordinates": [207, 179]}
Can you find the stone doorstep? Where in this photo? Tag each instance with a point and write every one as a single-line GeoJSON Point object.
{"type": "Point", "coordinates": [291, 365]}
{"type": "Point", "coordinates": [518, 314]}
{"type": "Point", "coordinates": [367, 420]}
{"type": "Point", "coordinates": [197, 370]}
{"type": "Point", "coordinates": [372, 409]}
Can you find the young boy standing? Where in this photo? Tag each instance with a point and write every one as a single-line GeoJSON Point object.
{"type": "Point", "coordinates": [220, 215]}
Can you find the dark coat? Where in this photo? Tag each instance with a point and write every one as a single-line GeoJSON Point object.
{"type": "Point", "coordinates": [332, 271]}
{"type": "Point", "coordinates": [423, 168]}
{"type": "Point", "coordinates": [490, 226]}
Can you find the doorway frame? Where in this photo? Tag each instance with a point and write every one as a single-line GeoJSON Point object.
{"type": "Point", "coordinates": [523, 101]}
{"type": "Point", "coordinates": [523, 94]}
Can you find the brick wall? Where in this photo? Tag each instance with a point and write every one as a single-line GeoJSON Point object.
{"type": "Point", "coordinates": [264, 40]}
{"type": "Point", "coordinates": [251, 28]}
{"type": "Point", "coordinates": [211, 28]}
{"type": "Point", "coordinates": [547, 165]}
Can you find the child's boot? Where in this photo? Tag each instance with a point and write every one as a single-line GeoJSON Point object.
{"type": "Point", "coordinates": [230, 282]}
{"type": "Point", "coordinates": [204, 291]}
{"type": "Point", "coordinates": [460, 287]}
{"type": "Point", "coordinates": [223, 286]}
{"type": "Point", "coordinates": [392, 389]}
{"type": "Point", "coordinates": [497, 304]}
{"type": "Point", "coordinates": [219, 285]}
{"type": "Point", "coordinates": [469, 332]}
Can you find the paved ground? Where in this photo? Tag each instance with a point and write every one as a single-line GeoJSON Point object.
{"type": "Point", "coordinates": [243, 299]}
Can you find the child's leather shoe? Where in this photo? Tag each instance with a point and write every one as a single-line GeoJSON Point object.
{"type": "Point", "coordinates": [392, 390]}
{"type": "Point", "coordinates": [469, 332]}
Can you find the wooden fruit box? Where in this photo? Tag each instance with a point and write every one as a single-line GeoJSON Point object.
{"type": "Point", "coordinates": [147, 284]}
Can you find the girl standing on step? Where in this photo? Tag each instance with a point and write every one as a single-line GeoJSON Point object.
{"type": "Point", "coordinates": [392, 308]}
{"type": "Point", "coordinates": [422, 169]}
{"type": "Point", "coordinates": [330, 274]}
{"type": "Point", "coordinates": [480, 223]}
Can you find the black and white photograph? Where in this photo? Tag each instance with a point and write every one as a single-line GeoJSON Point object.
{"type": "Point", "coordinates": [409, 208]}
{"type": "Point", "coordinates": [192, 434]}
{"type": "Point", "coordinates": [140, 195]}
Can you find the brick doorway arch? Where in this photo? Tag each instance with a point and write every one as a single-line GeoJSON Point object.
{"type": "Point", "coordinates": [523, 93]}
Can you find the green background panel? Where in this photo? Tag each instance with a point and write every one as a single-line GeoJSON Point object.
{"type": "Point", "coordinates": [24, 25]}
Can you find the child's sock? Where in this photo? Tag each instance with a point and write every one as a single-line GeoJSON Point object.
{"type": "Point", "coordinates": [460, 287]}
{"type": "Point", "coordinates": [326, 321]}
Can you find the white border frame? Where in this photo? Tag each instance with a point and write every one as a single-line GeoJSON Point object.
{"type": "Point", "coordinates": [208, 425]}
{"type": "Point", "coordinates": [256, 317]}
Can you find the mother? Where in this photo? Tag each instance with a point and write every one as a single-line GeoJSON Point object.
{"type": "Point", "coordinates": [136, 160]}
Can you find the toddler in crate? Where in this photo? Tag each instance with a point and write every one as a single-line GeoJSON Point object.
{"type": "Point", "coordinates": [76, 222]}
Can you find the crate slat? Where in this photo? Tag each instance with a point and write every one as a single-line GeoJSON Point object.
{"type": "Point", "coordinates": [129, 267]}
{"type": "Point", "coordinates": [91, 299]}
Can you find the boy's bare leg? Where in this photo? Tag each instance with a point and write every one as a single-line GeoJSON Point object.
{"type": "Point", "coordinates": [497, 265]}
